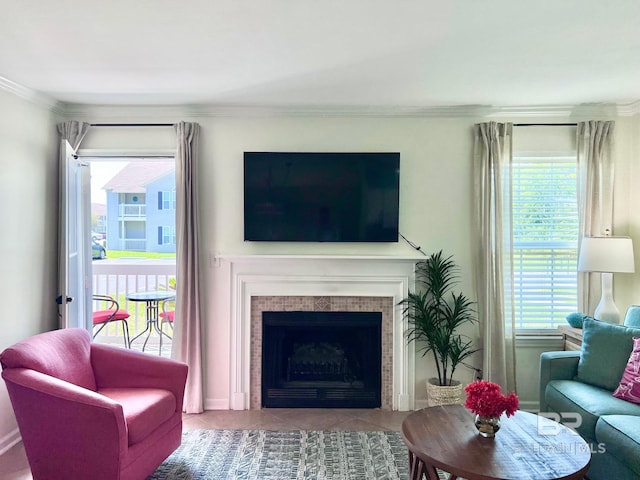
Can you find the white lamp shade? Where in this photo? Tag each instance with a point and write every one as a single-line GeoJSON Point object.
{"type": "Point", "coordinates": [606, 254]}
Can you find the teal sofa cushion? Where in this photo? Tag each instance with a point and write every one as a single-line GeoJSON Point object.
{"type": "Point", "coordinates": [620, 436]}
{"type": "Point", "coordinates": [588, 401]}
{"type": "Point", "coordinates": [605, 353]}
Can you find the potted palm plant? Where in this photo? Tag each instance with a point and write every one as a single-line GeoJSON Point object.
{"type": "Point", "coordinates": [434, 314]}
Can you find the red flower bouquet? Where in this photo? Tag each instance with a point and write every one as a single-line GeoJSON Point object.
{"type": "Point", "coordinates": [486, 400]}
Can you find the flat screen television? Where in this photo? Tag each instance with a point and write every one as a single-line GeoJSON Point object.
{"type": "Point", "coordinates": [321, 197]}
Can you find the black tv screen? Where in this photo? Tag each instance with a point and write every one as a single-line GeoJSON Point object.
{"type": "Point", "coordinates": [321, 197]}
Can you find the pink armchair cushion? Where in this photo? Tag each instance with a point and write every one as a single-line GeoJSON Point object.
{"type": "Point", "coordinates": [145, 409]}
{"type": "Point", "coordinates": [120, 368]}
{"type": "Point", "coordinates": [64, 354]}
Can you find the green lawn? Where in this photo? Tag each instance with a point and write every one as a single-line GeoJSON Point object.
{"type": "Point", "coordinates": [131, 253]}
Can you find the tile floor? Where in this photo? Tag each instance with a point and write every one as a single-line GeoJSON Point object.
{"type": "Point", "coordinates": [14, 466]}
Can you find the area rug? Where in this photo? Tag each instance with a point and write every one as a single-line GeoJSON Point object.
{"type": "Point", "coordinates": [286, 455]}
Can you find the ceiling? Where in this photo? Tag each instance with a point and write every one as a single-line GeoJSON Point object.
{"type": "Point", "coordinates": [324, 53]}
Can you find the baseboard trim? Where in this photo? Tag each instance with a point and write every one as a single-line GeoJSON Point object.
{"type": "Point", "coordinates": [9, 440]}
{"type": "Point", "coordinates": [216, 404]}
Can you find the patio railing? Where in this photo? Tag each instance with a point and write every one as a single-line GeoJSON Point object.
{"type": "Point", "coordinates": [117, 278]}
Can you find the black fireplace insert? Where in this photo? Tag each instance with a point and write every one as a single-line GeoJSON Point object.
{"type": "Point", "coordinates": [321, 359]}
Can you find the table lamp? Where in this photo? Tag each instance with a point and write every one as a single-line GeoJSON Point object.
{"type": "Point", "coordinates": [607, 255]}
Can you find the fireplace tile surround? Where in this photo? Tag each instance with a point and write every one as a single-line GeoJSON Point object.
{"type": "Point", "coordinates": [321, 304]}
{"type": "Point", "coordinates": [318, 283]}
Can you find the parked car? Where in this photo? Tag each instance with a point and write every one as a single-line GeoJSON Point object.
{"type": "Point", "coordinates": [97, 251]}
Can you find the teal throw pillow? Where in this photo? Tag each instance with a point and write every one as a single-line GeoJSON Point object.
{"type": "Point", "coordinates": [605, 352]}
{"type": "Point", "coordinates": [577, 318]}
{"type": "Point", "coordinates": [632, 317]}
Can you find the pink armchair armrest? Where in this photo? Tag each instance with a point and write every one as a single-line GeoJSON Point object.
{"type": "Point", "coordinates": [125, 368]}
{"type": "Point", "coordinates": [66, 411]}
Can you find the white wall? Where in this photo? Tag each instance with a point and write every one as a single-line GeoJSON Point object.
{"type": "Point", "coordinates": [633, 286]}
{"type": "Point", "coordinates": [429, 154]}
{"type": "Point", "coordinates": [626, 217]}
{"type": "Point", "coordinates": [28, 244]}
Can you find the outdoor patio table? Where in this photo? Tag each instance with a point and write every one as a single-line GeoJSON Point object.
{"type": "Point", "coordinates": [152, 300]}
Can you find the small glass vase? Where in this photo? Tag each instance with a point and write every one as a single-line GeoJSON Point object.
{"type": "Point", "coordinates": [487, 426]}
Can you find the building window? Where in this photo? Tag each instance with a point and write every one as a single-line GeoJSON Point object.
{"type": "Point", "coordinates": [166, 235]}
{"type": "Point", "coordinates": [167, 200]}
{"type": "Point", "coordinates": [545, 240]}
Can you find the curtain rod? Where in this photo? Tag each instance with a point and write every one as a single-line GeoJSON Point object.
{"type": "Point", "coordinates": [545, 124]}
{"type": "Point", "coordinates": [132, 124]}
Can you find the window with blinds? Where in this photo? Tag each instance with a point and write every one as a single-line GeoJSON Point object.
{"type": "Point", "coordinates": [545, 240]}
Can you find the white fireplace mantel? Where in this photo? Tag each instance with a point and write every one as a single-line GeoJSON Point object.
{"type": "Point", "coordinates": [318, 275]}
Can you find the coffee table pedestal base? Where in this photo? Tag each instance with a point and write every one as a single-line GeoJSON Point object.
{"type": "Point", "coordinates": [418, 469]}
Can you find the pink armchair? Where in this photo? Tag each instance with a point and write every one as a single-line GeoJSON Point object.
{"type": "Point", "coordinates": [91, 411]}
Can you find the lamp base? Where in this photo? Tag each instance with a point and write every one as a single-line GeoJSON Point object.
{"type": "Point", "coordinates": [606, 309]}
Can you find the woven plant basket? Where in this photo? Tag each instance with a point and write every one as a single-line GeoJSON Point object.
{"type": "Point", "coordinates": [444, 395]}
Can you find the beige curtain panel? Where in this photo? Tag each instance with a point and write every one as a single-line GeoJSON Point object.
{"type": "Point", "coordinates": [187, 340]}
{"type": "Point", "coordinates": [492, 159]}
{"type": "Point", "coordinates": [595, 197]}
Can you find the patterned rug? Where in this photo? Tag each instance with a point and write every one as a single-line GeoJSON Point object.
{"type": "Point", "coordinates": [284, 455]}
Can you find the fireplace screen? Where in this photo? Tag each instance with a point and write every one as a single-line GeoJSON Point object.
{"type": "Point", "coordinates": [321, 359]}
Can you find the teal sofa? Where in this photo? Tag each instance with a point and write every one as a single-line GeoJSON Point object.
{"type": "Point", "coordinates": [578, 386]}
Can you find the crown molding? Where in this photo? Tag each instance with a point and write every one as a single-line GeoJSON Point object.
{"type": "Point", "coordinates": [33, 96]}
{"type": "Point", "coordinates": [338, 111]}
{"type": "Point", "coordinates": [569, 111]}
{"type": "Point", "coordinates": [172, 112]}
{"type": "Point", "coordinates": [125, 112]}
{"type": "Point", "coordinates": [213, 110]}
{"type": "Point", "coordinates": [629, 109]}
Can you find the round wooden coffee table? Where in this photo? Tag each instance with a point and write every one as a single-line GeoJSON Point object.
{"type": "Point", "coordinates": [526, 447]}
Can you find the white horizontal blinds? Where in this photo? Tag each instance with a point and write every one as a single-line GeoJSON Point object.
{"type": "Point", "coordinates": [545, 240]}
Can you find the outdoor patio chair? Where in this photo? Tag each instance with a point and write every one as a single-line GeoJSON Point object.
{"type": "Point", "coordinates": [111, 313]}
{"type": "Point", "coordinates": [166, 316]}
